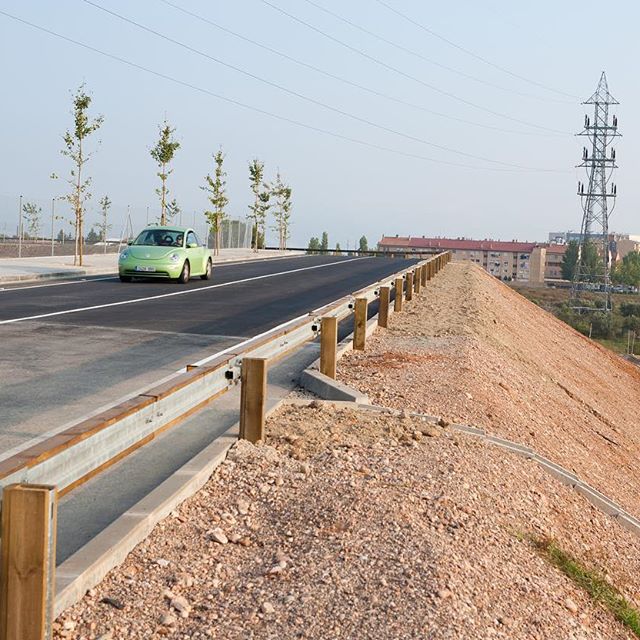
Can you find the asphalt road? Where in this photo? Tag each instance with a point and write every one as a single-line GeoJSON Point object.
{"type": "Point", "coordinates": [70, 348]}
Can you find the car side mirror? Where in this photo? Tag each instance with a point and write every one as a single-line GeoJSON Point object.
{"type": "Point", "coordinates": [192, 245]}
{"type": "Point", "coordinates": [129, 242]}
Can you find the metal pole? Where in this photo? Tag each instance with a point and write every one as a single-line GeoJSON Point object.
{"type": "Point", "coordinates": [20, 229]}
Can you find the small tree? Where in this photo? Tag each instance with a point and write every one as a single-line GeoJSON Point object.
{"type": "Point", "coordinates": [569, 259]}
{"type": "Point", "coordinates": [338, 249]}
{"type": "Point", "coordinates": [32, 215]}
{"type": "Point", "coordinates": [163, 153]}
{"type": "Point", "coordinates": [364, 245]}
{"type": "Point", "coordinates": [217, 195]}
{"type": "Point", "coordinates": [314, 245]}
{"type": "Point", "coordinates": [281, 193]}
{"type": "Point", "coordinates": [104, 226]}
{"type": "Point", "coordinates": [92, 236]}
{"type": "Point", "coordinates": [74, 140]}
{"type": "Point", "coordinates": [324, 243]}
{"type": "Point", "coordinates": [260, 207]}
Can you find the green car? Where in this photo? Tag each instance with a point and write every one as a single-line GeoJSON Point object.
{"type": "Point", "coordinates": [165, 252]}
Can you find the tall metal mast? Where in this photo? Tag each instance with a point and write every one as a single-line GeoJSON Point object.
{"type": "Point", "coordinates": [599, 161]}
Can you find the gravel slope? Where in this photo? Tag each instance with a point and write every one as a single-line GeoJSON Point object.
{"type": "Point", "coordinates": [350, 524]}
{"type": "Point", "coordinates": [472, 350]}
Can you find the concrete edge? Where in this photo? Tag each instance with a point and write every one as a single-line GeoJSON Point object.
{"type": "Point", "coordinates": [329, 389]}
{"type": "Point", "coordinates": [89, 565]}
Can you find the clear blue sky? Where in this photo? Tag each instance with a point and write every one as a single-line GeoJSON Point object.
{"type": "Point", "coordinates": [344, 188]}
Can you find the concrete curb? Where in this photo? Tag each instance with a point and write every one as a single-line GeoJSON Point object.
{"type": "Point", "coordinates": [89, 565]}
{"type": "Point", "coordinates": [329, 389]}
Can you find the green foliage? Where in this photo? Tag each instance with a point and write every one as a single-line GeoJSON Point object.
{"type": "Point", "coordinates": [281, 194]}
{"type": "Point", "coordinates": [217, 195]}
{"type": "Point", "coordinates": [628, 271]}
{"type": "Point", "coordinates": [592, 266]}
{"type": "Point", "coordinates": [172, 210]}
{"type": "Point", "coordinates": [324, 243]}
{"type": "Point", "coordinates": [260, 206]}
{"type": "Point", "coordinates": [163, 153]}
{"type": "Point", "coordinates": [593, 582]}
{"type": "Point", "coordinates": [314, 245]}
{"type": "Point", "coordinates": [92, 236]}
{"type": "Point", "coordinates": [32, 215]}
{"type": "Point", "coordinates": [363, 244]}
{"type": "Point", "coordinates": [630, 309]}
{"type": "Point", "coordinates": [338, 249]}
{"type": "Point", "coordinates": [64, 237]}
{"type": "Point", "coordinates": [104, 226]}
{"type": "Point", "coordinates": [74, 141]}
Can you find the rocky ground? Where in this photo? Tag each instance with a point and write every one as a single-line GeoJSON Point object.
{"type": "Point", "coordinates": [472, 350]}
{"type": "Point", "coordinates": [350, 524]}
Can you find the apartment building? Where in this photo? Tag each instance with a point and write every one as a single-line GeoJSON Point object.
{"type": "Point", "coordinates": [522, 261]}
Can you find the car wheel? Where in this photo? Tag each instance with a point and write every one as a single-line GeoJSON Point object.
{"type": "Point", "coordinates": [125, 278]}
{"type": "Point", "coordinates": [208, 272]}
{"type": "Point", "coordinates": [185, 274]}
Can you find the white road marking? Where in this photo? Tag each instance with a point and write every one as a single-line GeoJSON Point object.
{"type": "Point", "coordinates": [176, 293]}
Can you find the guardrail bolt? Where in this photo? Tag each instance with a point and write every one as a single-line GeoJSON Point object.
{"type": "Point", "coordinates": [409, 293]}
{"type": "Point", "coordinates": [253, 393]}
{"type": "Point", "coordinates": [27, 561]}
{"type": "Point", "coordinates": [329, 346]}
{"type": "Point", "coordinates": [360, 324]}
{"type": "Point", "coordinates": [383, 308]}
{"type": "Point", "coordinates": [397, 302]}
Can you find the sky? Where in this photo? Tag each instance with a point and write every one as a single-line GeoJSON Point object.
{"type": "Point", "coordinates": [462, 123]}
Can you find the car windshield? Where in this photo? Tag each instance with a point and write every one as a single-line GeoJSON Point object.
{"type": "Point", "coordinates": [160, 238]}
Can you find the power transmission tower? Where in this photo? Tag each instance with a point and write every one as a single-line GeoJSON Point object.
{"type": "Point", "coordinates": [593, 265]}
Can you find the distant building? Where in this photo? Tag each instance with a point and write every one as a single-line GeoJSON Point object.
{"type": "Point", "coordinates": [521, 261]}
{"type": "Point", "coordinates": [620, 244]}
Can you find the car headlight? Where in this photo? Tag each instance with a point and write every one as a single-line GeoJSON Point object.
{"type": "Point", "coordinates": [174, 257]}
{"type": "Point", "coordinates": [124, 255]}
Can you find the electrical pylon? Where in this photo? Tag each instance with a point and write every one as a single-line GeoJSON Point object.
{"type": "Point", "coordinates": [599, 161]}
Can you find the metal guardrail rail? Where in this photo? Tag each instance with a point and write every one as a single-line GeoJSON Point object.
{"type": "Point", "coordinates": [69, 458]}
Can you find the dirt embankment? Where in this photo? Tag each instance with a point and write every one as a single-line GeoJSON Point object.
{"type": "Point", "coordinates": [356, 525]}
{"type": "Point", "coordinates": [472, 350]}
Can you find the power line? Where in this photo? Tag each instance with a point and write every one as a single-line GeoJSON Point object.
{"type": "Point", "coordinates": [407, 75]}
{"type": "Point", "coordinates": [348, 82]}
{"type": "Point", "coordinates": [313, 101]}
{"type": "Point", "coordinates": [255, 109]}
{"type": "Point", "coordinates": [419, 55]}
{"type": "Point", "coordinates": [471, 53]}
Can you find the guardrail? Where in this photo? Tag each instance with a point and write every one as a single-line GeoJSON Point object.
{"type": "Point", "coordinates": [60, 463]}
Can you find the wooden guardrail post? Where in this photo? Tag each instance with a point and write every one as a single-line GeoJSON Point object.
{"type": "Point", "coordinates": [328, 346]}
{"type": "Point", "coordinates": [383, 307]}
{"type": "Point", "coordinates": [253, 393]}
{"type": "Point", "coordinates": [409, 294]}
{"type": "Point", "coordinates": [27, 561]}
{"type": "Point", "coordinates": [399, 292]}
{"type": "Point", "coordinates": [423, 275]}
{"type": "Point", "coordinates": [360, 324]}
{"type": "Point", "coordinates": [417, 280]}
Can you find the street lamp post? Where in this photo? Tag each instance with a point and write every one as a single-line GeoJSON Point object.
{"type": "Point", "coordinates": [20, 229]}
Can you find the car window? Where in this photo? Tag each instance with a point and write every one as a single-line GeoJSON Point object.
{"type": "Point", "coordinates": [160, 238]}
{"type": "Point", "coordinates": [191, 238]}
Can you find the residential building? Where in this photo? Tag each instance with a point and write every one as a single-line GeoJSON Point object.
{"type": "Point", "coordinates": [521, 261]}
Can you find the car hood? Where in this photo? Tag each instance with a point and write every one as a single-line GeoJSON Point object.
{"type": "Point", "coordinates": [152, 253]}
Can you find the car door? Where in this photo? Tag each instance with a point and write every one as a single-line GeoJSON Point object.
{"type": "Point", "coordinates": [195, 253]}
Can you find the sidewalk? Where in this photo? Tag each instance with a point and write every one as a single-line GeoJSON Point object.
{"type": "Point", "coordinates": [27, 269]}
